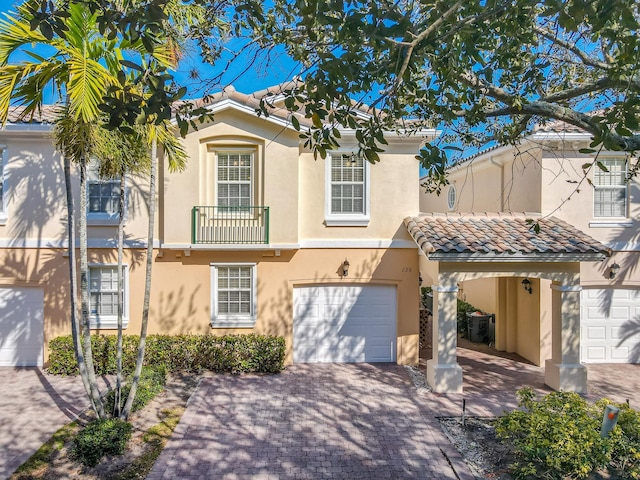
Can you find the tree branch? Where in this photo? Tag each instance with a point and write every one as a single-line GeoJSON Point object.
{"type": "Point", "coordinates": [572, 48]}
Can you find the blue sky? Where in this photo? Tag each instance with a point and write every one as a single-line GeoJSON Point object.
{"type": "Point", "coordinates": [244, 77]}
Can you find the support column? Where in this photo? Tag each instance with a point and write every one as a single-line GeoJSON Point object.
{"type": "Point", "coordinates": [563, 371]}
{"type": "Point", "coordinates": [443, 372]}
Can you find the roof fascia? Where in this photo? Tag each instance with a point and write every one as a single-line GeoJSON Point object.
{"type": "Point", "coordinates": [540, 258]}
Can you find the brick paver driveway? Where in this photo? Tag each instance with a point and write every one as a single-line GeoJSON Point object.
{"type": "Point", "coordinates": [33, 405]}
{"type": "Point", "coordinates": [317, 421]}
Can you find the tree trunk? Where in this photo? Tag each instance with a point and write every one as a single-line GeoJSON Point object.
{"type": "Point", "coordinates": [147, 284]}
{"type": "Point", "coordinates": [118, 390]}
{"type": "Point", "coordinates": [73, 286]}
{"type": "Point", "coordinates": [84, 292]}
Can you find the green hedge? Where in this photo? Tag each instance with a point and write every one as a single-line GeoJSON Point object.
{"type": "Point", "coordinates": [190, 353]}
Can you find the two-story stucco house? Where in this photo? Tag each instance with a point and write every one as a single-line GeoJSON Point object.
{"type": "Point", "coordinates": [558, 294]}
{"type": "Point", "coordinates": [255, 235]}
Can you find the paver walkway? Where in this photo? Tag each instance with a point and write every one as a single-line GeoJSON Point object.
{"type": "Point", "coordinates": [33, 406]}
{"type": "Point", "coordinates": [338, 421]}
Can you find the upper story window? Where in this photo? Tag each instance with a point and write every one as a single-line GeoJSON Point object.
{"type": "Point", "coordinates": [103, 196]}
{"type": "Point", "coordinates": [233, 295]}
{"type": "Point", "coordinates": [347, 190]}
{"type": "Point", "coordinates": [451, 197]}
{"type": "Point", "coordinates": [103, 296]}
{"type": "Point", "coordinates": [610, 188]}
{"type": "Point", "coordinates": [234, 179]}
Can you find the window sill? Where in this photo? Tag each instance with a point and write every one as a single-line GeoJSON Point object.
{"type": "Point", "coordinates": [611, 223]}
{"type": "Point", "coordinates": [109, 324]}
{"type": "Point", "coordinates": [3, 219]}
{"type": "Point", "coordinates": [347, 221]}
{"type": "Point", "coordinates": [234, 323]}
{"type": "Point", "coordinates": [98, 219]}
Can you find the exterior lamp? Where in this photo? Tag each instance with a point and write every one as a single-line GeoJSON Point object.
{"type": "Point", "coordinates": [526, 285]}
{"type": "Point", "coordinates": [345, 268]}
{"type": "Point", "coordinates": [613, 270]}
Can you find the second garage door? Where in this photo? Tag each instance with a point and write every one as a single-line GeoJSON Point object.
{"type": "Point", "coordinates": [344, 324]}
{"type": "Point", "coordinates": [21, 327]}
{"type": "Point", "coordinates": [609, 325]}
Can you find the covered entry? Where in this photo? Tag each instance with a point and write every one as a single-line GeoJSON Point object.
{"type": "Point", "coordinates": [460, 247]}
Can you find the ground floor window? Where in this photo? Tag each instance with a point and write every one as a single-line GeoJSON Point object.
{"type": "Point", "coordinates": [103, 296]}
{"type": "Point", "coordinates": [233, 295]}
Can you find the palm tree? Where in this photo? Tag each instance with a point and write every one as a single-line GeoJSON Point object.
{"type": "Point", "coordinates": [84, 64]}
{"type": "Point", "coordinates": [80, 68]}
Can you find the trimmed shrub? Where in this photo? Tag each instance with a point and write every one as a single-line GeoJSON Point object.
{"type": "Point", "coordinates": [190, 353]}
{"type": "Point", "coordinates": [100, 438]}
{"type": "Point", "coordinates": [152, 382]}
{"type": "Point", "coordinates": [558, 437]}
{"type": "Point", "coordinates": [463, 321]}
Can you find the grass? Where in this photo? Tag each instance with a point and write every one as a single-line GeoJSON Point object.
{"type": "Point", "coordinates": [157, 437]}
{"type": "Point", "coordinates": [153, 441]}
{"type": "Point", "coordinates": [37, 465]}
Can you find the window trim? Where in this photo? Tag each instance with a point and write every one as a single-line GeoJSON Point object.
{"type": "Point", "coordinates": [110, 322]}
{"type": "Point", "coordinates": [233, 320]}
{"type": "Point", "coordinates": [451, 203]}
{"type": "Point", "coordinates": [238, 151]}
{"type": "Point", "coordinates": [347, 219]}
{"type": "Point", "coordinates": [103, 218]}
{"type": "Point", "coordinates": [603, 219]}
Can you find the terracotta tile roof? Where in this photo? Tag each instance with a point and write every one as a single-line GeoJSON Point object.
{"type": "Point", "coordinates": [252, 100]}
{"type": "Point", "coordinates": [557, 126]}
{"type": "Point", "coordinates": [47, 114]}
{"type": "Point", "coordinates": [501, 236]}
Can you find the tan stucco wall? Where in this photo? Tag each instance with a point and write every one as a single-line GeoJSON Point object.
{"type": "Point", "coordinates": [481, 293]}
{"type": "Point", "coordinates": [507, 181]}
{"type": "Point", "coordinates": [35, 197]}
{"type": "Point", "coordinates": [181, 291]}
{"type": "Point", "coordinates": [391, 195]}
{"type": "Point", "coordinates": [185, 305]}
{"type": "Point", "coordinates": [275, 172]}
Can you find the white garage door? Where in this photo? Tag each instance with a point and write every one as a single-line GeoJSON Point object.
{"type": "Point", "coordinates": [608, 316]}
{"type": "Point", "coordinates": [21, 327]}
{"type": "Point", "coordinates": [344, 324]}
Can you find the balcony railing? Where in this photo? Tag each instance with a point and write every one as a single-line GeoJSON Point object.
{"type": "Point", "coordinates": [230, 225]}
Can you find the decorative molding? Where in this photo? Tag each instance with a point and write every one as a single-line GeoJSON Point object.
{"type": "Point", "coordinates": [450, 289]}
{"type": "Point", "coordinates": [357, 243]}
{"type": "Point", "coordinates": [62, 243]}
{"type": "Point", "coordinates": [566, 288]}
{"type": "Point", "coordinates": [624, 246]}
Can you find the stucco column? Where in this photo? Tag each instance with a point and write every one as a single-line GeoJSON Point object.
{"type": "Point", "coordinates": [443, 372]}
{"type": "Point", "coordinates": [563, 371]}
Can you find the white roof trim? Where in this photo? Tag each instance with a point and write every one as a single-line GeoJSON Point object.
{"type": "Point", "coordinates": [509, 257]}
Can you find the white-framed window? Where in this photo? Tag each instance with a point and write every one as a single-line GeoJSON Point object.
{"type": "Point", "coordinates": [103, 296]}
{"type": "Point", "coordinates": [451, 197]}
{"type": "Point", "coordinates": [234, 178]}
{"type": "Point", "coordinates": [103, 196]}
{"type": "Point", "coordinates": [233, 295]}
{"type": "Point", "coordinates": [347, 190]}
{"type": "Point", "coordinates": [610, 188]}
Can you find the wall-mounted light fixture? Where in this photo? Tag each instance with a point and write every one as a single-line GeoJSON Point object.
{"type": "Point", "coordinates": [345, 268]}
{"type": "Point", "coordinates": [613, 270]}
{"type": "Point", "coordinates": [526, 285]}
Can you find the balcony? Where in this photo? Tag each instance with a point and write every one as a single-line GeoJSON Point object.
{"type": "Point", "coordinates": [230, 225]}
